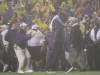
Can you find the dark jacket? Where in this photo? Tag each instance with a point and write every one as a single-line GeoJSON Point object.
{"type": "Point", "coordinates": [10, 36]}
{"type": "Point", "coordinates": [1, 43]}
{"type": "Point", "coordinates": [76, 37]}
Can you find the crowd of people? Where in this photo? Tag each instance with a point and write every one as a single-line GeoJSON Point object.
{"type": "Point", "coordinates": [49, 35]}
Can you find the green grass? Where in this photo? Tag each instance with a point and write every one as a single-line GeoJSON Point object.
{"type": "Point", "coordinates": [58, 73]}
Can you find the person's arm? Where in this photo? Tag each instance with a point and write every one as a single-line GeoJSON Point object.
{"type": "Point", "coordinates": [25, 37]}
{"type": "Point", "coordinates": [7, 36]}
{"type": "Point", "coordinates": [1, 43]}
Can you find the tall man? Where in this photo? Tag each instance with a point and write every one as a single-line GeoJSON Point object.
{"type": "Point", "coordinates": [57, 29]}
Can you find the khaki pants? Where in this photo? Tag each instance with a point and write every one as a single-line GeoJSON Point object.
{"type": "Point", "coordinates": [73, 55]}
{"type": "Point", "coordinates": [66, 55]}
{"type": "Point", "coordinates": [23, 57]}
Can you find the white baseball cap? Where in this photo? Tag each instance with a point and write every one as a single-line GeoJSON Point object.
{"type": "Point", "coordinates": [23, 24]}
{"type": "Point", "coordinates": [34, 26]}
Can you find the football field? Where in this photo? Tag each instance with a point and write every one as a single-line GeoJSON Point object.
{"type": "Point", "coordinates": [58, 73]}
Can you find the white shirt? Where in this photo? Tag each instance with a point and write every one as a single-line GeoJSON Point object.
{"type": "Point", "coordinates": [37, 39]}
{"type": "Point", "coordinates": [92, 35]}
{"type": "Point", "coordinates": [3, 33]}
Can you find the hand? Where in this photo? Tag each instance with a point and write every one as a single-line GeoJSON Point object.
{"type": "Point", "coordinates": [28, 34]}
{"type": "Point", "coordinates": [33, 35]}
{"type": "Point", "coordinates": [42, 48]}
{"type": "Point", "coordinates": [43, 36]}
{"type": "Point", "coordinates": [71, 46]}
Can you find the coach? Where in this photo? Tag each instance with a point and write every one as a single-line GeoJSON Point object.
{"type": "Point", "coordinates": [20, 49]}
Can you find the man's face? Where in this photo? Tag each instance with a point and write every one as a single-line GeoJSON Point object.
{"type": "Point", "coordinates": [14, 26]}
{"type": "Point", "coordinates": [24, 27]}
{"type": "Point", "coordinates": [71, 22]}
{"type": "Point", "coordinates": [95, 26]}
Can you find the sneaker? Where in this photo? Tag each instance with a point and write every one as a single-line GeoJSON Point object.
{"type": "Point", "coordinates": [5, 67]}
{"type": "Point", "coordinates": [71, 69]}
{"type": "Point", "coordinates": [51, 71]}
{"type": "Point", "coordinates": [20, 71]}
{"type": "Point", "coordinates": [9, 71]}
{"type": "Point", "coordinates": [29, 71]}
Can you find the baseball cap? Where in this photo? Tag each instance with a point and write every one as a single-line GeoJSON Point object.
{"type": "Point", "coordinates": [23, 24]}
{"type": "Point", "coordinates": [34, 26]}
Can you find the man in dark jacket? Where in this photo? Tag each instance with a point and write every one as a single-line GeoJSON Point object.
{"type": "Point", "coordinates": [75, 44]}
{"type": "Point", "coordinates": [10, 38]}
{"type": "Point", "coordinates": [95, 37]}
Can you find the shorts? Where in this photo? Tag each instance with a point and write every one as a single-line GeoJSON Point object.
{"type": "Point", "coordinates": [35, 52]}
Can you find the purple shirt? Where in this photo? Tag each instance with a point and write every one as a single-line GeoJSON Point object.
{"type": "Point", "coordinates": [10, 36]}
{"type": "Point", "coordinates": [57, 26]}
{"type": "Point", "coordinates": [49, 40]}
{"type": "Point", "coordinates": [21, 39]}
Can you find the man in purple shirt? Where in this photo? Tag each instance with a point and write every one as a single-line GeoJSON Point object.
{"type": "Point", "coordinates": [21, 51]}
{"type": "Point", "coordinates": [57, 52]}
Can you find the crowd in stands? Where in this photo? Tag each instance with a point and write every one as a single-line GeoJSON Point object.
{"type": "Point", "coordinates": [49, 35]}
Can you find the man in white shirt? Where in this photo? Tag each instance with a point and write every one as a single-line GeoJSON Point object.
{"type": "Point", "coordinates": [3, 33]}
{"type": "Point", "coordinates": [34, 46]}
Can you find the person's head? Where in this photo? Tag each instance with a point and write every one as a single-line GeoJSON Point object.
{"type": "Point", "coordinates": [59, 12]}
{"type": "Point", "coordinates": [96, 25]}
{"type": "Point", "coordinates": [46, 3]}
{"type": "Point", "coordinates": [68, 28]}
{"type": "Point", "coordinates": [13, 26]}
{"type": "Point", "coordinates": [56, 12]}
{"type": "Point", "coordinates": [71, 20]}
{"type": "Point", "coordinates": [86, 17]}
{"type": "Point", "coordinates": [23, 26]}
{"type": "Point", "coordinates": [94, 15]}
